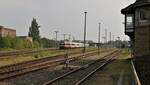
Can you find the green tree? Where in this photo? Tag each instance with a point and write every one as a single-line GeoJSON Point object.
{"type": "Point", "coordinates": [34, 30]}
{"type": "Point", "coordinates": [5, 42]}
{"type": "Point", "coordinates": [45, 42]}
{"type": "Point", "coordinates": [17, 43]}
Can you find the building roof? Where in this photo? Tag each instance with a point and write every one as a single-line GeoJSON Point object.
{"type": "Point", "coordinates": [2, 27]}
{"type": "Point", "coordinates": [138, 3]}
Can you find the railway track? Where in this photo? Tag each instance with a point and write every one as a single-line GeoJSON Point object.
{"type": "Point", "coordinates": [79, 75]}
{"type": "Point", "coordinates": [26, 67]}
{"type": "Point", "coordinates": [22, 52]}
{"type": "Point", "coordinates": [18, 66]}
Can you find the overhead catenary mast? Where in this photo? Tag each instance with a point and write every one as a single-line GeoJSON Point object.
{"type": "Point", "coordinates": [56, 38]}
{"type": "Point", "coordinates": [64, 35]}
{"type": "Point", "coordinates": [110, 39]}
{"type": "Point", "coordinates": [99, 39]}
{"type": "Point", "coordinates": [105, 35]}
{"type": "Point", "coordinates": [84, 31]}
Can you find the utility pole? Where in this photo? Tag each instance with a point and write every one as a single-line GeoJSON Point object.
{"type": "Point", "coordinates": [113, 38]}
{"type": "Point", "coordinates": [84, 31]}
{"type": "Point", "coordinates": [106, 37]}
{"type": "Point", "coordinates": [64, 36]}
{"type": "Point", "coordinates": [113, 41]}
{"type": "Point", "coordinates": [73, 38]}
{"type": "Point", "coordinates": [110, 36]}
{"type": "Point", "coordinates": [56, 38]}
{"type": "Point", "coordinates": [69, 37]}
{"type": "Point", "coordinates": [119, 42]}
{"type": "Point", "coordinates": [99, 39]}
{"type": "Point", "coordinates": [110, 39]}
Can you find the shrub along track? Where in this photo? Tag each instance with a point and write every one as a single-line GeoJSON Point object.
{"type": "Point", "coordinates": [23, 52]}
{"type": "Point", "coordinates": [10, 71]}
{"type": "Point", "coordinates": [77, 76]}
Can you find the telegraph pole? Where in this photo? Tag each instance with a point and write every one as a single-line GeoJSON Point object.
{"type": "Point", "coordinates": [99, 39]}
{"type": "Point", "coordinates": [84, 31]}
{"type": "Point", "coordinates": [56, 37]}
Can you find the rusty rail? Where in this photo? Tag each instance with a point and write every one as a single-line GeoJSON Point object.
{"type": "Point", "coordinates": [41, 66]}
{"type": "Point", "coordinates": [137, 80]}
{"type": "Point", "coordinates": [83, 67]}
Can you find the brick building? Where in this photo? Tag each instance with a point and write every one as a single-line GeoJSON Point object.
{"type": "Point", "coordinates": [4, 32]}
{"type": "Point", "coordinates": [137, 26]}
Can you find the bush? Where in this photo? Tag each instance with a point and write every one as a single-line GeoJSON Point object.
{"type": "Point", "coordinates": [36, 44]}
{"type": "Point", "coordinates": [17, 43]}
{"type": "Point", "coordinates": [20, 43]}
{"type": "Point", "coordinates": [5, 42]}
{"type": "Point", "coordinates": [47, 43]}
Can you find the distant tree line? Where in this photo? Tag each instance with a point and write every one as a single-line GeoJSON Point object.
{"type": "Point", "coordinates": [17, 43]}
{"type": "Point", "coordinates": [21, 43]}
{"type": "Point", "coordinates": [119, 44]}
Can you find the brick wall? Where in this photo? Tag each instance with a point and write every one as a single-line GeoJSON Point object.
{"type": "Point", "coordinates": [142, 40]}
{"type": "Point", "coordinates": [4, 32]}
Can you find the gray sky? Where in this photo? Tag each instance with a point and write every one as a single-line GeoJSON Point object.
{"type": "Point", "coordinates": [67, 16]}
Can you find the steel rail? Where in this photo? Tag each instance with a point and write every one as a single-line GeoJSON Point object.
{"type": "Point", "coordinates": [39, 67]}
{"type": "Point", "coordinates": [137, 80]}
{"type": "Point", "coordinates": [80, 68]}
{"type": "Point", "coordinates": [20, 66]}
{"type": "Point", "coordinates": [95, 70]}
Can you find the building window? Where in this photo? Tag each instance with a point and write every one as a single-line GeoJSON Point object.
{"type": "Point", "coordinates": [129, 21]}
{"type": "Point", "coordinates": [143, 15]}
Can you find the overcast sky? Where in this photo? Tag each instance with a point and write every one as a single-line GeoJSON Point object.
{"type": "Point", "coordinates": [66, 16]}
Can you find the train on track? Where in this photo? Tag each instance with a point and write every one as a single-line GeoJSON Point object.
{"type": "Point", "coordinates": [69, 44]}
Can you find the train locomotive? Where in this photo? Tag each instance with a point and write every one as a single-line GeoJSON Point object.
{"type": "Point", "coordinates": [69, 44]}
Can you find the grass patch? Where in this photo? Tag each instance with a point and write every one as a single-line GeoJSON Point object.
{"type": "Point", "coordinates": [7, 60]}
